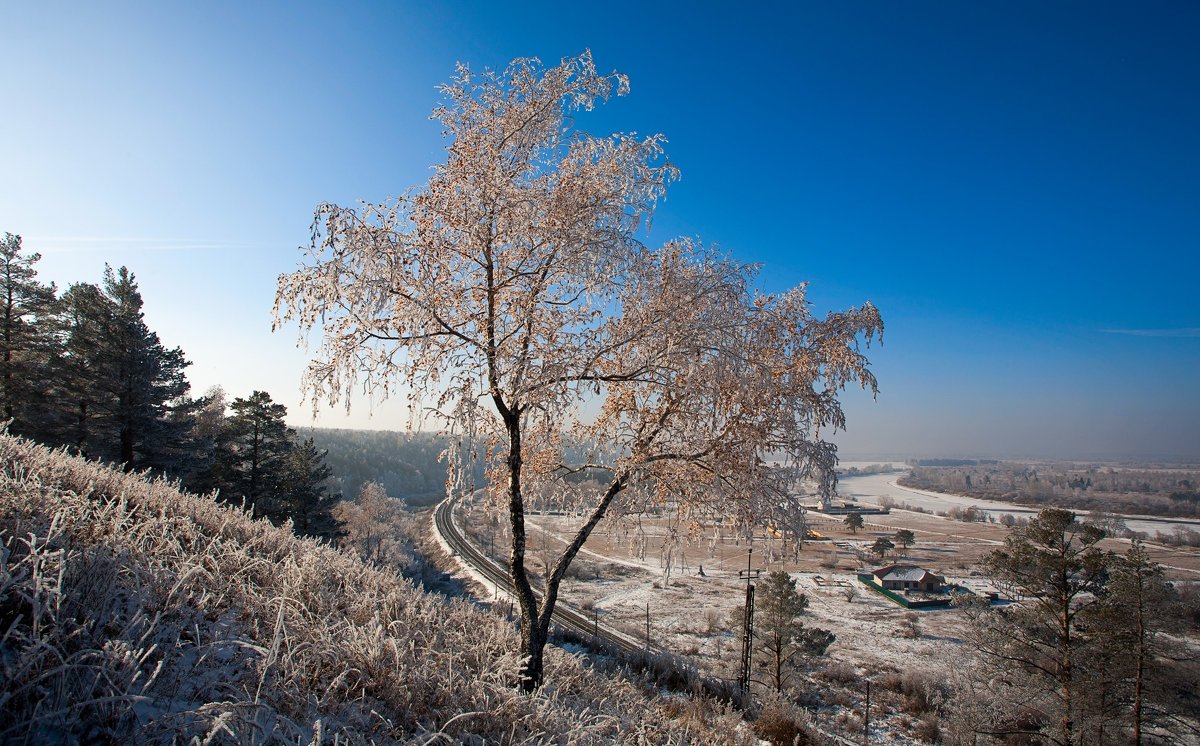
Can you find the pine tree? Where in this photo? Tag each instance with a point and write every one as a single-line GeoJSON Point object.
{"type": "Point", "coordinates": [150, 411]}
{"type": "Point", "coordinates": [306, 498]}
{"type": "Point", "coordinates": [82, 396]}
{"type": "Point", "coordinates": [853, 521]}
{"type": "Point", "coordinates": [25, 340]}
{"type": "Point", "coordinates": [905, 539]}
{"type": "Point", "coordinates": [207, 434]}
{"type": "Point", "coordinates": [780, 635]}
{"type": "Point", "coordinates": [1056, 571]}
{"type": "Point", "coordinates": [256, 447]}
{"type": "Point", "coordinates": [882, 546]}
{"type": "Point", "coordinates": [1139, 611]}
{"type": "Point", "coordinates": [259, 459]}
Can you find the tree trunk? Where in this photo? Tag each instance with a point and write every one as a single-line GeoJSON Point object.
{"type": "Point", "coordinates": [8, 344]}
{"type": "Point", "coordinates": [533, 636]}
{"type": "Point", "coordinates": [533, 642]}
{"type": "Point", "coordinates": [1067, 725]}
{"type": "Point", "coordinates": [1139, 673]}
{"type": "Point", "coordinates": [535, 624]}
{"type": "Point", "coordinates": [127, 446]}
{"type": "Point", "coordinates": [81, 431]}
{"type": "Point", "coordinates": [254, 464]}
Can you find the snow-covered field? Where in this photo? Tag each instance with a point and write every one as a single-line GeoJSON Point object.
{"type": "Point", "coordinates": [691, 613]}
{"type": "Point", "coordinates": [695, 616]}
{"type": "Point", "coordinates": [685, 598]}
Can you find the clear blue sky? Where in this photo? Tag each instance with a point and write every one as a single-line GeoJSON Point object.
{"type": "Point", "coordinates": [1016, 185]}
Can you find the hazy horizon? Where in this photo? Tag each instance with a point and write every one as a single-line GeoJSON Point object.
{"type": "Point", "coordinates": [1014, 187]}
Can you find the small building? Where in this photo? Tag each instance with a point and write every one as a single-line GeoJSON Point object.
{"type": "Point", "coordinates": [908, 578]}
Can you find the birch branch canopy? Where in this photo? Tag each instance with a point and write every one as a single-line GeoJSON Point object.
{"type": "Point", "coordinates": [516, 283]}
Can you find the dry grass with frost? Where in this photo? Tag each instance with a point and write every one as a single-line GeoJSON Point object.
{"type": "Point", "coordinates": [130, 611]}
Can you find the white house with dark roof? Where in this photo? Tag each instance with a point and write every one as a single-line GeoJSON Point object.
{"type": "Point", "coordinates": [907, 578]}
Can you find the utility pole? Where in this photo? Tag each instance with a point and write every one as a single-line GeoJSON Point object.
{"type": "Point", "coordinates": [647, 630]}
{"type": "Point", "coordinates": [748, 623]}
{"type": "Point", "coordinates": [867, 717]}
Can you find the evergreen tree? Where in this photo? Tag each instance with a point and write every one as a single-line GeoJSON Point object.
{"type": "Point", "coordinates": [149, 408]}
{"type": "Point", "coordinates": [780, 635]}
{"type": "Point", "coordinates": [25, 340]}
{"type": "Point", "coordinates": [1152, 667]}
{"type": "Point", "coordinates": [905, 538]}
{"type": "Point", "coordinates": [882, 546]}
{"type": "Point", "coordinates": [255, 452]}
{"type": "Point", "coordinates": [1056, 571]}
{"type": "Point", "coordinates": [306, 498]}
{"type": "Point", "coordinates": [853, 521]}
{"type": "Point", "coordinates": [82, 398]}
{"type": "Point", "coordinates": [207, 436]}
{"type": "Point", "coordinates": [260, 459]}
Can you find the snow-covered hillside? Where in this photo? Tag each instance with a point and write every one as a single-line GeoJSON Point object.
{"type": "Point", "coordinates": [132, 612]}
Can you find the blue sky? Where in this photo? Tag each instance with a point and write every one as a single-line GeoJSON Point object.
{"type": "Point", "coordinates": [1016, 186]}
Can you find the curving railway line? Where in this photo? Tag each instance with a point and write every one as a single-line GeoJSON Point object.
{"type": "Point", "coordinates": [565, 616]}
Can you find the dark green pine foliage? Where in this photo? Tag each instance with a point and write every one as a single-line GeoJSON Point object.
{"type": "Point", "coordinates": [25, 341]}
{"type": "Point", "coordinates": [1058, 572]}
{"type": "Point", "coordinates": [1150, 672]}
{"type": "Point", "coordinates": [208, 436]}
{"type": "Point", "coordinates": [782, 640]}
{"type": "Point", "coordinates": [256, 448]}
{"type": "Point", "coordinates": [81, 401]}
{"type": "Point", "coordinates": [260, 461]}
{"type": "Point", "coordinates": [148, 401]}
{"type": "Point", "coordinates": [308, 500]}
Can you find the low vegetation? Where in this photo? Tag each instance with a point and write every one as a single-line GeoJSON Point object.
{"type": "Point", "coordinates": [133, 612]}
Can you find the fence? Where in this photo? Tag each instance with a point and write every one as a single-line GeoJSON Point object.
{"type": "Point", "coordinates": [907, 603]}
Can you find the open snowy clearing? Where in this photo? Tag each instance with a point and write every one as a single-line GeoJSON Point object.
{"type": "Point", "coordinates": [690, 613]}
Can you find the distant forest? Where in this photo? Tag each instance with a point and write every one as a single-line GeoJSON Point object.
{"type": "Point", "coordinates": [1159, 492]}
{"type": "Point", "coordinates": [950, 462]}
{"type": "Point", "coordinates": [406, 465]}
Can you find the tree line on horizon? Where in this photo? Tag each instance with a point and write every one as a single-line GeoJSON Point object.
{"type": "Point", "coordinates": [81, 370]}
{"type": "Point", "coordinates": [1160, 492]}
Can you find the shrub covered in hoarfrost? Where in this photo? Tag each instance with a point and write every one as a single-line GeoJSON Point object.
{"type": "Point", "coordinates": [130, 611]}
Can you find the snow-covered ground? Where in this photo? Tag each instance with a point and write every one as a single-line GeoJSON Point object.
{"type": "Point", "coordinates": [621, 576]}
{"type": "Point", "coordinates": [694, 615]}
{"type": "Point", "coordinates": [691, 614]}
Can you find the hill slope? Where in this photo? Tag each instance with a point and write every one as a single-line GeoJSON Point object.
{"type": "Point", "coordinates": [131, 611]}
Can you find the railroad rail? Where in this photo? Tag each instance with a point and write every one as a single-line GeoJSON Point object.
{"type": "Point", "coordinates": [564, 616]}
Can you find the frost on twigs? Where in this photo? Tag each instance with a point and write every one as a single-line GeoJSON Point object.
{"type": "Point", "coordinates": [514, 295]}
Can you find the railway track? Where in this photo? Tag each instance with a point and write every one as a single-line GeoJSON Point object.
{"type": "Point", "coordinates": [565, 616]}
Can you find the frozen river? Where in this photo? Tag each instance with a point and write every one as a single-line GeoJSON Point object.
{"type": "Point", "coordinates": [871, 487]}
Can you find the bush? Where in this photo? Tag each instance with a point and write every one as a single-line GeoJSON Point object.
{"type": "Point", "coordinates": [928, 729]}
{"type": "Point", "coordinates": [781, 726]}
{"type": "Point", "coordinates": [839, 672]}
{"type": "Point", "coordinates": [920, 693]}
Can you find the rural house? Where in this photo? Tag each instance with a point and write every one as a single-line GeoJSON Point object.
{"type": "Point", "coordinates": [907, 578]}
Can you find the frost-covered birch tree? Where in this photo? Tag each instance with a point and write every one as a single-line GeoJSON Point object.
{"type": "Point", "coordinates": [513, 287]}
